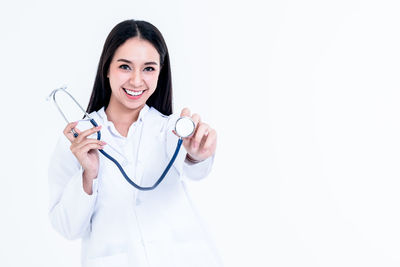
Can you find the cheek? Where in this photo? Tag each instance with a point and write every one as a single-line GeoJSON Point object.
{"type": "Point", "coordinates": [151, 80]}
{"type": "Point", "coordinates": [116, 79]}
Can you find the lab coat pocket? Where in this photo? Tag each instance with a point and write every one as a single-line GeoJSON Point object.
{"type": "Point", "coordinates": [117, 260]}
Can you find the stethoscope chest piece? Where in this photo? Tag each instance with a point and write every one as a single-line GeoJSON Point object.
{"type": "Point", "coordinates": [184, 127]}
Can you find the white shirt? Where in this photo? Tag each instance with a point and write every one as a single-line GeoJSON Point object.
{"type": "Point", "coordinates": [119, 225]}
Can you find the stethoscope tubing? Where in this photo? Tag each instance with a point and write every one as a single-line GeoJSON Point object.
{"type": "Point", "coordinates": [171, 162]}
{"type": "Point", "coordinates": [94, 123]}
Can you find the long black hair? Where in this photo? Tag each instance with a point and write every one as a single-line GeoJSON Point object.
{"type": "Point", "coordinates": [161, 99]}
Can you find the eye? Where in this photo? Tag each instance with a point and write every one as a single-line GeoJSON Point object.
{"type": "Point", "coordinates": [149, 69]}
{"type": "Point", "coordinates": [125, 67]}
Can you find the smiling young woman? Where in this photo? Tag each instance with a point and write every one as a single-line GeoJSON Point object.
{"type": "Point", "coordinates": [132, 103]}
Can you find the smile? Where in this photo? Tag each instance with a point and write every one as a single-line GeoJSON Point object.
{"type": "Point", "coordinates": [133, 94]}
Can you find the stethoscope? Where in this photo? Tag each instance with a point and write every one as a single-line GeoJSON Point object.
{"type": "Point", "coordinates": [184, 127]}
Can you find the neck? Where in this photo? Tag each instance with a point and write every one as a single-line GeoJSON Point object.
{"type": "Point", "coordinates": [121, 117]}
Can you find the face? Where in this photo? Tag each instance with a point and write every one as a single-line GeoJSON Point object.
{"type": "Point", "coordinates": [133, 74]}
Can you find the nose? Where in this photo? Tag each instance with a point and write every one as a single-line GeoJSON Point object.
{"type": "Point", "coordinates": [136, 78]}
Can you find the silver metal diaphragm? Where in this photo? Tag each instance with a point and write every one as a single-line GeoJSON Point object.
{"type": "Point", "coordinates": [184, 127]}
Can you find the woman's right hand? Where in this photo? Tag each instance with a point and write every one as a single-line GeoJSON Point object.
{"type": "Point", "coordinates": [85, 149]}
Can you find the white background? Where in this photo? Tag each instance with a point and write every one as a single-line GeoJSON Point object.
{"type": "Point", "coordinates": [304, 96]}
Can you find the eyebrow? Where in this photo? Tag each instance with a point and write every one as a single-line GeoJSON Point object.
{"type": "Point", "coordinates": [130, 62]}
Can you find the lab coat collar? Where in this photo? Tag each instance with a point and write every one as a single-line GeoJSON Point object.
{"type": "Point", "coordinates": [103, 115]}
{"type": "Point", "coordinates": [108, 135]}
{"type": "Point", "coordinates": [110, 125]}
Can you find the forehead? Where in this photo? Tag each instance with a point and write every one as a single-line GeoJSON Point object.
{"type": "Point", "coordinates": [137, 50]}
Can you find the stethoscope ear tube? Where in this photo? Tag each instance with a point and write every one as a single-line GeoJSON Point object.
{"type": "Point", "coordinates": [64, 89]}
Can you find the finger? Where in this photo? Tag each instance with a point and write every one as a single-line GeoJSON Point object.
{"type": "Point", "coordinates": [79, 146]}
{"type": "Point", "coordinates": [86, 148]}
{"type": "Point", "coordinates": [202, 131]}
{"type": "Point", "coordinates": [196, 119]}
{"type": "Point", "coordinates": [185, 112]}
{"type": "Point", "coordinates": [70, 126]}
{"type": "Point", "coordinates": [68, 130]}
{"type": "Point", "coordinates": [210, 143]}
{"type": "Point", "coordinates": [86, 133]}
{"type": "Point", "coordinates": [173, 131]}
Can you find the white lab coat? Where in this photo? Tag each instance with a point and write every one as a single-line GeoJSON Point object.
{"type": "Point", "coordinates": [119, 225]}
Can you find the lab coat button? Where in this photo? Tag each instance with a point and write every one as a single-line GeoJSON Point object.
{"type": "Point", "coordinates": [138, 202]}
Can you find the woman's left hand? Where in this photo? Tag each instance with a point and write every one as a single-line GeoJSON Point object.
{"type": "Point", "coordinates": [203, 143]}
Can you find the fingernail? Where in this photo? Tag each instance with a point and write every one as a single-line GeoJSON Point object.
{"type": "Point", "coordinates": [103, 143]}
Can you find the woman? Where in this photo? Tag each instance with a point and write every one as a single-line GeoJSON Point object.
{"type": "Point", "coordinates": [89, 199]}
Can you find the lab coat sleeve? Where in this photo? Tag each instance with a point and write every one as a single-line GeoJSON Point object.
{"type": "Point", "coordinates": [70, 208]}
{"type": "Point", "coordinates": [199, 170]}
{"type": "Point", "coordinates": [192, 171]}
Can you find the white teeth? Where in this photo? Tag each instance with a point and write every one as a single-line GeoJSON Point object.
{"type": "Point", "coordinates": [133, 93]}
